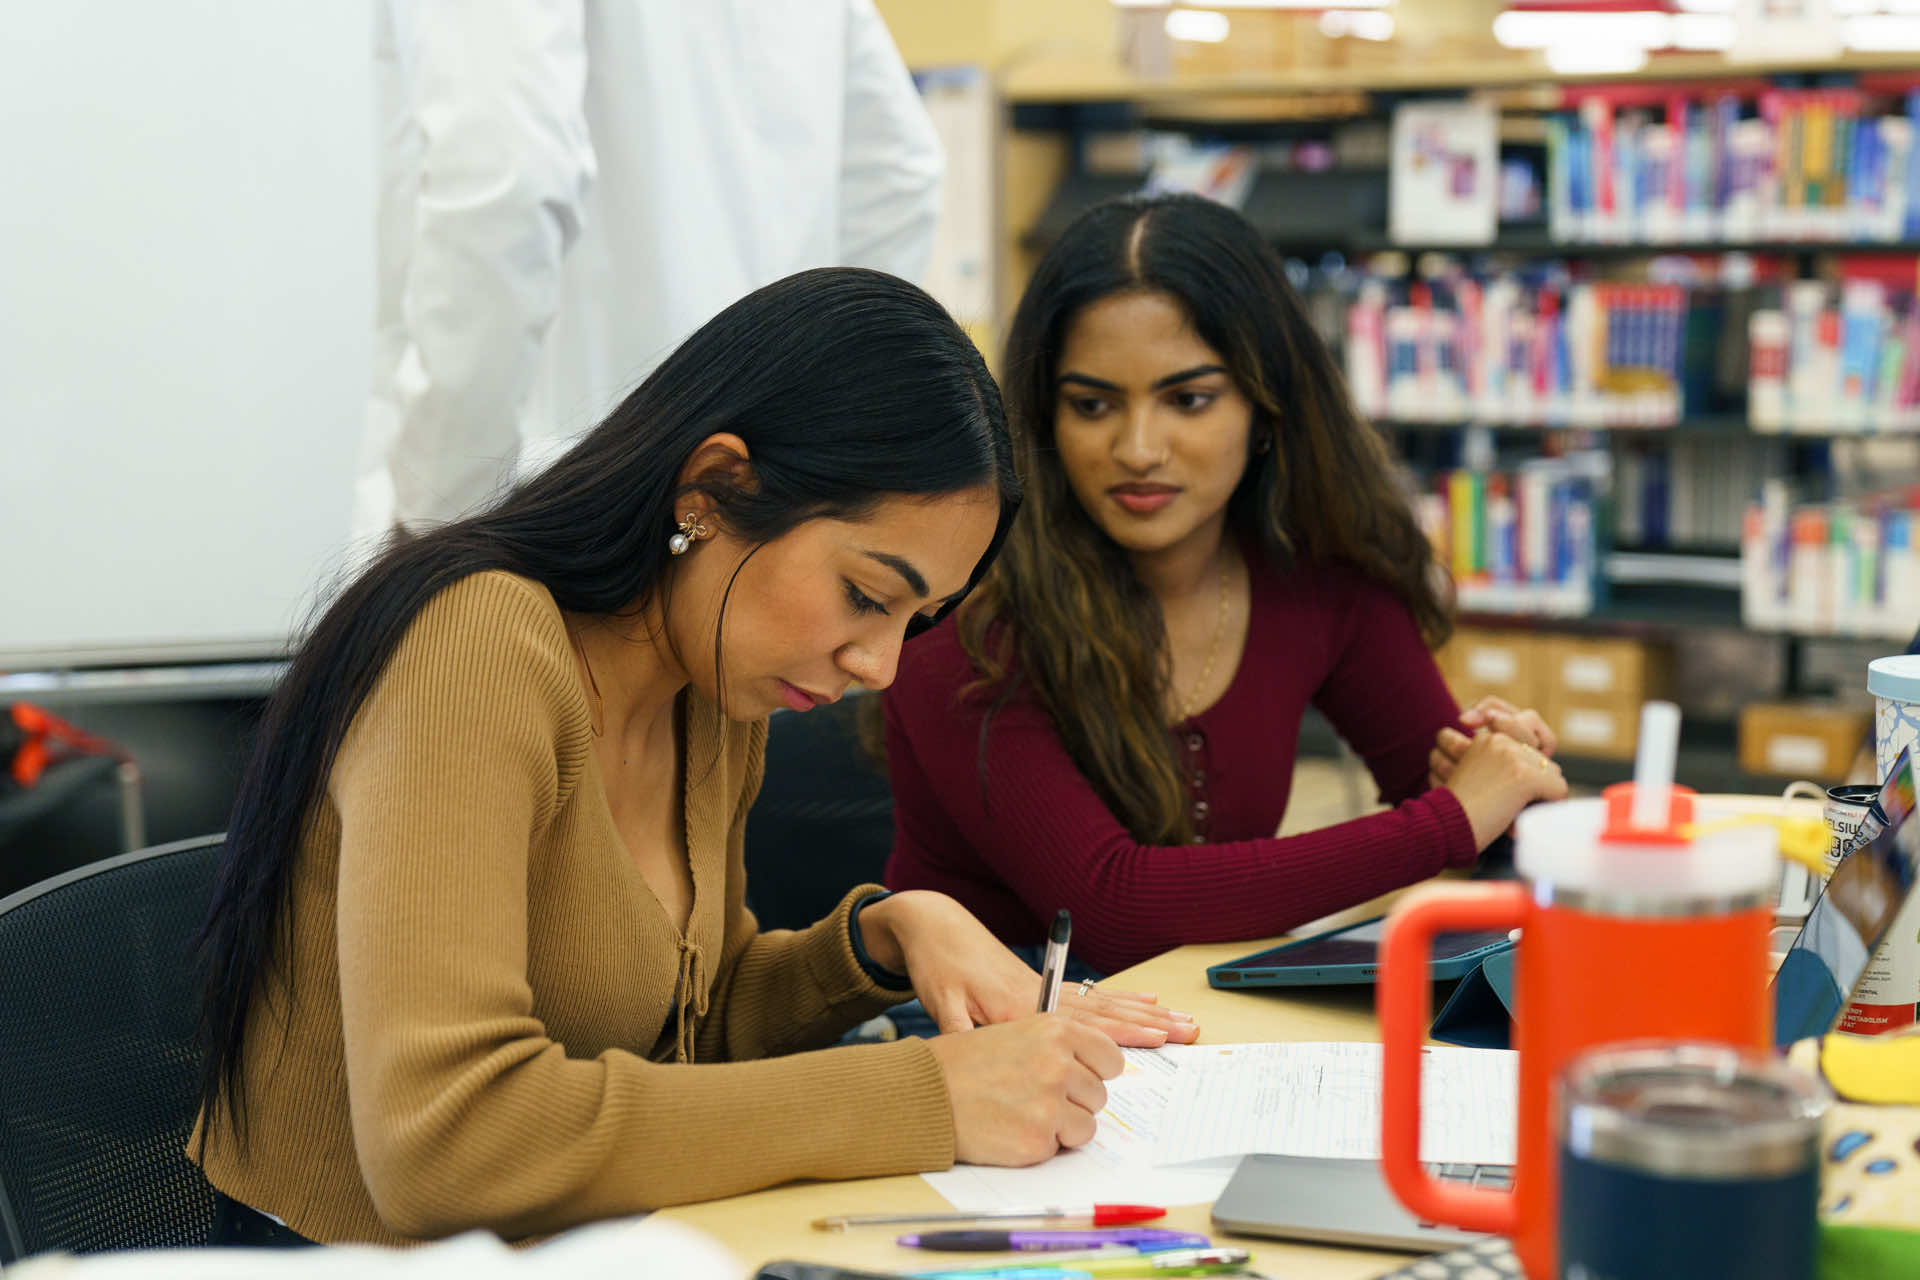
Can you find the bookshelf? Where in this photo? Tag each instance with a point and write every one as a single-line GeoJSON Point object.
{"type": "Point", "coordinates": [1345, 212]}
{"type": "Point", "coordinates": [1702, 425]}
{"type": "Point", "coordinates": [1674, 587]}
{"type": "Point", "coordinates": [1537, 243]}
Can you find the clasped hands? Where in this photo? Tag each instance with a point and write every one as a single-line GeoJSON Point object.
{"type": "Point", "coordinates": [1506, 765]}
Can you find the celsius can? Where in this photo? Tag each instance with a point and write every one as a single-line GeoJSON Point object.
{"type": "Point", "coordinates": [1888, 992]}
{"type": "Point", "coordinates": [1846, 806]}
{"type": "Point", "coordinates": [1687, 1161]}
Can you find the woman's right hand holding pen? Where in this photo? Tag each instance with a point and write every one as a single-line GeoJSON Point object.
{"type": "Point", "coordinates": [1022, 1090]}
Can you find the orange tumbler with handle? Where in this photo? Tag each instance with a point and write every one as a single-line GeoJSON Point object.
{"type": "Point", "coordinates": [1629, 932]}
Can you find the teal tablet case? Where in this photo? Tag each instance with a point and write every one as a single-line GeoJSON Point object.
{"type": "Point", "coordinates": [1479, 1013]}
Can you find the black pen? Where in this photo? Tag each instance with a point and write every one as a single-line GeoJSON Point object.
{"type": "Point", "coordinates": [1055, 962]}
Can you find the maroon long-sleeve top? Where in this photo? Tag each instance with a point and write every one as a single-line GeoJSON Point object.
{"type": "Point", "coordinates": [1029, 835]}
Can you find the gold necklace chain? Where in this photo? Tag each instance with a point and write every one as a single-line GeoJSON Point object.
{"type": "Point", "coordinates": [1213, 650]}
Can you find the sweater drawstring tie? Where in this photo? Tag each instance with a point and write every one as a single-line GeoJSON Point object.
{"type": "Point", "coordinates": [690, 989]}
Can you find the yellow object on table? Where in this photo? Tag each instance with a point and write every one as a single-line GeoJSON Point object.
{"type": "Point", "coordinates": [1802, 840]}
{"type": "Point", "coordinates": [1870, 1147]}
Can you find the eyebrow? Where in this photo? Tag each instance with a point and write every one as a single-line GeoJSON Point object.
{"type": "Point", "coordinates": [904, 567]}
{"type": "Point", "coordinates": [1159, 384]}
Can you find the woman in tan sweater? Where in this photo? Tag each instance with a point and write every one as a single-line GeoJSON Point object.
{"type": "Point", "coordinates": [479, 953]}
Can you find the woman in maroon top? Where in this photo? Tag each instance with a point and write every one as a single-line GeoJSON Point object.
{"type": "Point", "coordinates": [1212, 540]}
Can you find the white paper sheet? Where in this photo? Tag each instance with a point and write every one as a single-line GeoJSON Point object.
{"type": "Point", "coordinates": [1116, 1167]}
{"type": "Point", "coordinates": [1323, 1099]}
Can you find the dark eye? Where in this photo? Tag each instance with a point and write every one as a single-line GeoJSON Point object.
{"type": "Point", "coordinates": [1194, 401]}
{"type": "Point", "coordinates": [1086, 406]}
{"type": "Point", "coordinates": [860, 601]}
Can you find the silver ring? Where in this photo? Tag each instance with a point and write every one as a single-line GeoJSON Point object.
{"type": "Point", "coordinates": [1086, 985]}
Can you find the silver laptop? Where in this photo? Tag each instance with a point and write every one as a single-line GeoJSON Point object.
{"type": "Point", "coordinates": [1349, 1202]}
{"type": "Point", "coordinates": [1338, 1202]}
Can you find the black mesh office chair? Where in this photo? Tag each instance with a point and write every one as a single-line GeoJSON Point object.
{"type": "Point", "coordinates": [97, 1060]}
{"type": "Point", "coordinates": [823, 821]}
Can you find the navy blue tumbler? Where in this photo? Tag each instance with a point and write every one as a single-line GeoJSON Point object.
{"type": "Point", "coordinates": [1687, 1162]}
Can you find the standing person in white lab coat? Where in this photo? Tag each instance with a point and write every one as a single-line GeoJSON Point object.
{"type": "Point", "coordinates": [570, 187]}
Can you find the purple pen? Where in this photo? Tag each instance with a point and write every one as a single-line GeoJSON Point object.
{"type": "Point", "coordinates": [1144, 1239]}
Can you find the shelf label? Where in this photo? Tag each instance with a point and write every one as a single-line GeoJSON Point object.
{"type": "Point", "coordinates": [1587, 675]}
{"type": "Point", "coordinates": [1588, 727]}
{"type": "Point", "coordinates": [1490, 664]}
{"type": "Point", "coordinates": [1796, 753]}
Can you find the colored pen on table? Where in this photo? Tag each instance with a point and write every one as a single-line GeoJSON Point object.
{"type": "Point", "coordinates": [1028, 1241]}
{"type": "Point", "coordinates": [1179, 1262]}
{"type": "Point", "coordinates": [1099, 1215]}
{"type": "Point", "coordinates": [1055, 961]}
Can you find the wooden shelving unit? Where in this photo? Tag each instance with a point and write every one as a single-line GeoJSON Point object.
{"type": "Point", "coordinates": [1057, 82]}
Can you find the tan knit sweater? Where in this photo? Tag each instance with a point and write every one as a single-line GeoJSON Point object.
{"type": "Point", "coordinates": [492, 1021]}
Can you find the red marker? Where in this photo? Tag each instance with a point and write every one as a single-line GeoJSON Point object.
{"type": "Point", "coordinates": [1099, 1215]}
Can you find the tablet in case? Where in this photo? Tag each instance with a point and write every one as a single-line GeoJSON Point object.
{"type": "Point", "coordinates": [1350, 955]}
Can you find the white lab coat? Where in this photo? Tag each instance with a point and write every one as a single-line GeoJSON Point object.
{"type": "Point", "coordinates": [568, 188]}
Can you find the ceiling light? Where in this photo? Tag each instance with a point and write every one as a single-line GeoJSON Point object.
{"type": "Point", "coordinates": [1882, 32]}
{"type": "Point", "coordinates": [1365, 24]}
{"type": "Point", "coordinates": [1545, 29]}
{"type": "Point", "coordinates": [1595, 59]}
{"type": "Point", "coordinates": [1202, 26]}
{"type": "Point", "coordinates": [1261, 4]}
{"type": "Point", "coordinates": [1704, 31]}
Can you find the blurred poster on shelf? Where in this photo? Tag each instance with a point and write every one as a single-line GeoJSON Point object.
{"type": "Point", "coordinates": [1219, 171]}
{"type": "Point", "coordinates": [1444, 173]}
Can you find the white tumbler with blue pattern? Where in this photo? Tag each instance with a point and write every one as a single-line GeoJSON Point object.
{"type": "Point", "coordinates": [1895, 685]}
{"type": "Point", "coordinates": [1892, 980]}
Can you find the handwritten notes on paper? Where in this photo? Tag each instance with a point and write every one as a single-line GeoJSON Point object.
{"type": "Point", "coordinates": [1323, 1099]}
{"type": "Point", "coordinates": [1178, 1120]}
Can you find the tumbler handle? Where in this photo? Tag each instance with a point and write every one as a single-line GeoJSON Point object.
{"type": "Point", "coordinates": [1405, 1006]}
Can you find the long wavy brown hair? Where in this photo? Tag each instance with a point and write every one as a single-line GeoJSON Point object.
{"type": "Point", "coordinates": [1062, 614]}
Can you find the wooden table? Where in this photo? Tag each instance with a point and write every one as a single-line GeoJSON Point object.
{"type": "Point", "coordinates": [776, 1224]}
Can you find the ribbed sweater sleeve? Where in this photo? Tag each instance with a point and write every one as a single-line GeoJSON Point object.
{"type": "Point", "coordinates": [1030, 820]}
{"type": "Point", "coordinates": [1382, 691]}
{"type": "Point", "coordinates": [792, 989]}
{"type": "Point", "coordinates": [464, 1111]}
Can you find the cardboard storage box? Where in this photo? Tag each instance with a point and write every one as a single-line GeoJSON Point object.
{"type": "Point", "coordinates": [1593, 688]}
{"type": "Point", "coordinates": [1478, 662]}
{"type": "Point", "coordinates": [1816, 741]}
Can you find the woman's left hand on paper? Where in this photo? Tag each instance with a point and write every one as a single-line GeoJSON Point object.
{"type": "Point", "coordinates": [966, 978]}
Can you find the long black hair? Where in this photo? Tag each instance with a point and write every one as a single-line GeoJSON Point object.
{"type": "Point", "coordinates": [1063, 613]}
{"type": "Point", "coordinates": [846, 385]}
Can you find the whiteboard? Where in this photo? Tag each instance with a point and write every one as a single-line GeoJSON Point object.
{"type": "Point", "coordinates": [186, 305]}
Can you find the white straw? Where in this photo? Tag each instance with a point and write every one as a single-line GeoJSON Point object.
{"type": "Point", "coordinates": [1653, 764]}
